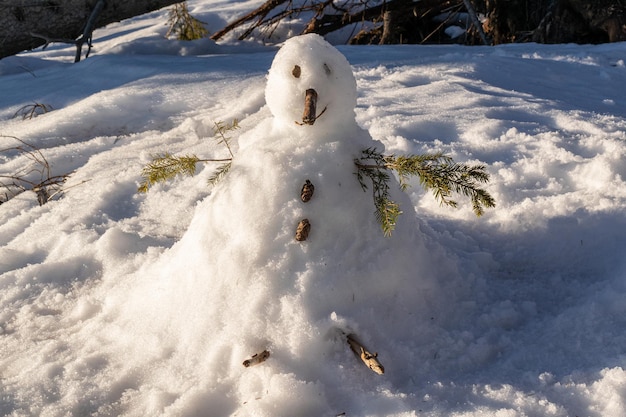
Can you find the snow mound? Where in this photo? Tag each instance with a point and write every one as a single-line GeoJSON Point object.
{"type": "Point", "coordinates": [240, 283]}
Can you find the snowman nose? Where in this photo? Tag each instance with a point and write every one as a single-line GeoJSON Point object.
{"type": "Point", "coordinates": [310, 102]}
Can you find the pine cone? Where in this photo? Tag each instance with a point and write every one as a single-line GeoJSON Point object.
{"type": "Point", "coordinates": [307, 191]}
{"type": "Point", "coordinates": [302, 232]}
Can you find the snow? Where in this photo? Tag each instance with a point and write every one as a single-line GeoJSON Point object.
{"type": "Point", "coordinates": [116, 303]}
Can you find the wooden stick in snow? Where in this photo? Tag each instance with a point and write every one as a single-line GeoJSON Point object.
{"type": "Point", "coordinates": [257, 358]}
{"type": "Point", "coordinates": [370, 360]}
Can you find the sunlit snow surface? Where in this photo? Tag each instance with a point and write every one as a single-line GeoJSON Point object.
{"type": "Point", "coordinates": [119, 303]}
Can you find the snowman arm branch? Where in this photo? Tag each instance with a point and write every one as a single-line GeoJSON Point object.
{"type": "Point", "coordinates": [216, 160]}
{"type": "Point", "coordinates": [387, 211]}
{"type": "Point", "coordinates": [436, 172]}
{"type": "Point", "coordinates": [167, 166]}
{"type": "Point", "coordinates": [220, 130]}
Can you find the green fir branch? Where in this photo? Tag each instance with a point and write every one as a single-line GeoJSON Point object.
{"type": "Point", "coordinates": [221, 129]}
{"type": "Point", "coordinates": [387, 213]}
{"type": "Point", "coordinates": [436, 172]}
{"type": "Point", "coordinates": [184, 25]}
{"type": "Point", "coordinates": [221, 171]}
{"type": "Point", "coordinates": [165, 167]}
{"type": "Point", "coordinates": [440, 174]}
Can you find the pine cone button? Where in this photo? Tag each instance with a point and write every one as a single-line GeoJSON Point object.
{"type": "Point", "coordinates": [307, 191]}
{"type": "Point", "coordinates": [302, 232]}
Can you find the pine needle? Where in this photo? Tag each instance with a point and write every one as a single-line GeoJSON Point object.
{"type": "Point", "coordinates": [166, 166]}
{"type": "Point", "coordinates": [436, 172]}
{"type": "Point", "coordinates": [440, 174]}
{"type": "Point", "coordinates": [387, 213]}
{"type": "Point", "coordinates": [184, 25]}
{"type": "Point", "coordinates": [221, 129]}
{"type": "Point", "coordinates": [221, 171]}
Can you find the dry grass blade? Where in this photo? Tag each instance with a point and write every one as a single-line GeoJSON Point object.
{"type": "Point", "coordinates": [32, 110]}
{"type": "Point", "coordinates": [34, 176]}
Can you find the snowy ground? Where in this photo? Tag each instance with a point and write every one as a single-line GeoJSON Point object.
{"type": "Point", "coordinates": [527, 317]}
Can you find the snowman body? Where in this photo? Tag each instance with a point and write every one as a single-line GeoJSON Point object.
{"type": "Point", "coordinates": [253, 215]}
{"type": "Point", "coordinates": [239, 282]}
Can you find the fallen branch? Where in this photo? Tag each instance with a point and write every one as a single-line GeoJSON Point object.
{"type": "Point", "coordinates": [451, 15]}
{"type": "Point", "coordinates": [393, 21]}
{"type": "Point", "coordinates": [88, 31]}
{"type": "Point", "coordinates": [260, 12]}
{"type": "Point", "coordinates": [86, 36]}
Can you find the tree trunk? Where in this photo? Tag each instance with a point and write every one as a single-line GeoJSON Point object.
{"type": "Point", "coordinates": [389, 28]}
{"type": "Point", "coordinates": [60, 19]}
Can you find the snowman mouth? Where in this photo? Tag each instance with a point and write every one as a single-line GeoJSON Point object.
{"type": "Point", "coordinates": [310, 107]}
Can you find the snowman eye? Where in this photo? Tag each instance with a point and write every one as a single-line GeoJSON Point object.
{"type": "Point", "coordinates": [327, 69]}
{"type": "Point", "coordinates": [296, 71]}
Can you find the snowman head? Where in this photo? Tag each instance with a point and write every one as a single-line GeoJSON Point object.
{"type": "Point", "coordinates": [310, 85]}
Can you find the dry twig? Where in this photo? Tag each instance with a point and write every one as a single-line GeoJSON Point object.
{"type": "Point", "coordinates": [34, 176]}
{"type": "Point", "coordinates": [369, 359]}
{"type": "Point", "coordinates": [257, 358]}
{"type": "Point", "coordinates": [32, 110]}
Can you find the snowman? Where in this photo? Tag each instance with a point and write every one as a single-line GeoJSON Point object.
{"type": "Point", "coordinates": [284, 265]}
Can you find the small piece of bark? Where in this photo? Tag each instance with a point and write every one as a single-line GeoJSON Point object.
{"type": "Point", "coordinates": [307, 191]}
{"type": "Point", "coordinates": [256, 359]}
{"type": "Point", "coordinates": [369, 359]}
{"type": "Point", "coordinates": [302, 232]}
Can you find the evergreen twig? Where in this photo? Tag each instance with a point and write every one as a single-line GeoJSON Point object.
{"type": "Point", "coordinates": [221, 129]}
{"type": "Point", "coordinates": [166, 166]}
{"type": "Point", "coordinates": [387, 211]}
{"type": "Point", "coordinates": [220, 173]}
{"type": "Point", "coordinates": [184, 25]}
{"type": "Point", "coordinates": [436, 172]}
